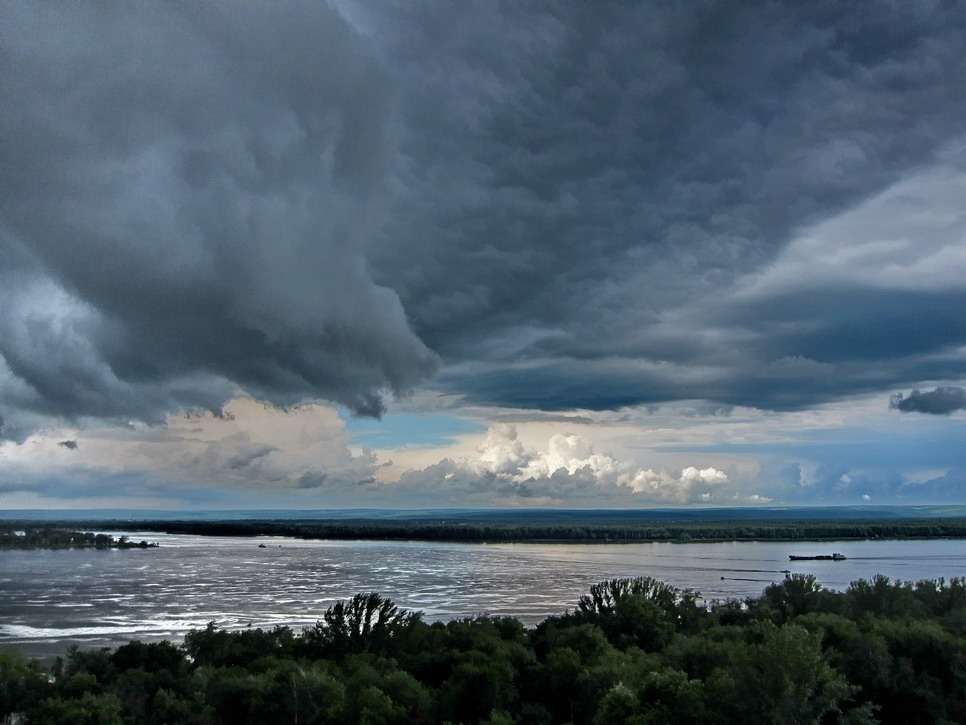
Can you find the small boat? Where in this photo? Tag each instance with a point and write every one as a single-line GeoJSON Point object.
{"type": "Point", "coordinates": [819, 557]}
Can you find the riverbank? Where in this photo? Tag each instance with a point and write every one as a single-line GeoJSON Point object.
{"type": "Point", "coordinates": [589, 529]}
{"type": "Point", "coordinates": [53, 537]}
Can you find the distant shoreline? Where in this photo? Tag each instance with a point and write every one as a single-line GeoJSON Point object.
{"type": "Point", "coordinates": [48, 538]}
{"type": "Point", "coordinates": [587, 530]}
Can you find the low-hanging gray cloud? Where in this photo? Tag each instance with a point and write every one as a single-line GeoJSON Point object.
{"type": "Point", "coordinates": [944, 400]}
{"type": "Point", "coordinates": [188, 192]}
{"type": "Point", "coordinates": [556, 202]}
{"type": "Point", "coordinates": [604, 177]}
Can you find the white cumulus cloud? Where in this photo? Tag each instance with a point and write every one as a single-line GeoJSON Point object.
{"type": "Point", "coordinates": [569, 467]}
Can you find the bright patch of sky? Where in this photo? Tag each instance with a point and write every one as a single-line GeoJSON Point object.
{"type": "Point", "coordinates": [398, 430]}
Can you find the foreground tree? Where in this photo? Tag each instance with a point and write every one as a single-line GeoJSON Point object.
{"type": "Point", "coordinates": [365, 623]}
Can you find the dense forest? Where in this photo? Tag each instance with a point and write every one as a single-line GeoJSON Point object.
{"type": "Point", "coordinates": [48, 537]}
{"type": "Point", "coordinates": [590, 528]}
{"type": "Point", "coordinates": [631, 651]}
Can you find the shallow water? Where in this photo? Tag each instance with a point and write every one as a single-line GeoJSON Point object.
{"type": "Point", "coordinates": [49, 599]}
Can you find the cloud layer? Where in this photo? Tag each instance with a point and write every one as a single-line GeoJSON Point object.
{"type": "Point", "coordinates": [567, 206]}
{"type": "Point", "coordinates": [533, 211]}
{"type": "Point", "coordinates": [260, 456]}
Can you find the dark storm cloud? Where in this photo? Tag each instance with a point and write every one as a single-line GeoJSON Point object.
{"type": "Point", "coordinates": [606, 168]}
{"type": "Point", "coordinates": [557, 199]}
{"type": "Point", "coordinates": [941, 401]}
{"type": "Point", "coordinates": [187, 195]}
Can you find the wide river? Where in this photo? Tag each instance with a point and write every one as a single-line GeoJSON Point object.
{"type": "Point", "coordinates": [49, 599]}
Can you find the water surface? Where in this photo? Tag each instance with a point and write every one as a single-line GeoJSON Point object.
{"type": "Point", "coordinates": [49, 599]}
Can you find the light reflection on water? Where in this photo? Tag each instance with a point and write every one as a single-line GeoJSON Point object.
{"type": "Point", "coordinates": [49, 599]}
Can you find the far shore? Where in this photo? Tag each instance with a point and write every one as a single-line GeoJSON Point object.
{"type": "Point", "coordinates": [589, 529]}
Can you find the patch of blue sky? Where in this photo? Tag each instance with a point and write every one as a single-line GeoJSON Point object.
{"type": "Point", "coordinates": [408, 429]}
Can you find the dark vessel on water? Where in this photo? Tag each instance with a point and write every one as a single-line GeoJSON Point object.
{"type": "Point", "coordinates": [820, 557]}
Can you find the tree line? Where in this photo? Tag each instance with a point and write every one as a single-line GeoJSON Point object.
{"type": "Point", "coordinates": [631, 651]}
{"type": "Point", "coordinates": [47, 537]}
{"type": "Point", "coordinates": [457, 530]}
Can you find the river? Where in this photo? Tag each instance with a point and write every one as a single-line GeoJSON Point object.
{"type": "Point", "coordinates": [50, 599]}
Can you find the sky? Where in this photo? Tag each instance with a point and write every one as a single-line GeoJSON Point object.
{"type": "Point", "coordinates": [540, 254]}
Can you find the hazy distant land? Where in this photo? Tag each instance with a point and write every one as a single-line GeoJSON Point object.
{"type": "Point", "coordinates": [54, 537]}
{"type": "Point", "coordinates": [538, 525]}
